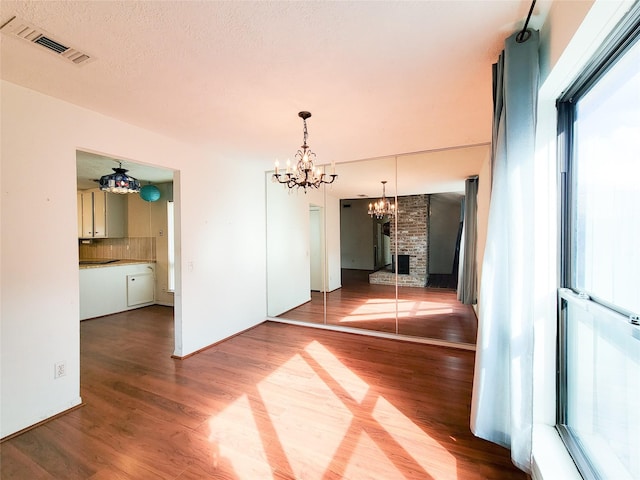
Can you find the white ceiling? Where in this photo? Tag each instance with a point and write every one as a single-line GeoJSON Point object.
{"type": "Point", "coordinates": [380, 78]}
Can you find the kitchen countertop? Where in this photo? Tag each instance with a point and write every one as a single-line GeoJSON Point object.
{"type": "Point", "coordinates": [109, 262]}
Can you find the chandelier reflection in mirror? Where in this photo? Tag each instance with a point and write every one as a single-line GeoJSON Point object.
{"type": "Point", "coordinates": [303, 174]}
{"type": "Point", "coordinates": [119, 182]}
{"type": "Point", "coordinates": [383, 206]}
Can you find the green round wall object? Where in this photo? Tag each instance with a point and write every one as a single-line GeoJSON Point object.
{"type": "Point", "coordinates": [150, 193]}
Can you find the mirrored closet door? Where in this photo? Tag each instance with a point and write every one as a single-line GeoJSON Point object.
{"type": "Point", "coordinates": [367, 296]}
{"type": "Point", "coordinates": [376, 250]}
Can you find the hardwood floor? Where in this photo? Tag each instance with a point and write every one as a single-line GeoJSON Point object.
{"type": "Point", "coordinates": [422, 312]}
{"type": "Point", "coordinates": [278, 401]}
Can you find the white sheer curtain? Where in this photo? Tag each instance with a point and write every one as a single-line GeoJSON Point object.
{"type": "Point", "coordinates": [501, 409]}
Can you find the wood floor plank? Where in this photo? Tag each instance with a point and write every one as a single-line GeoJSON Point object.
{"type": "Point", "coordinates": [50, 454]}
{"type": "Point", "coordinates": [106, 452]}
{"type": "Point", "coordinates": [278, 401]}
{"type": "Point", "coordinates": [20, 464]}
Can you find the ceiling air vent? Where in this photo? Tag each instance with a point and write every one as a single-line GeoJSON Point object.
{"type": "Point", "coordinates": [35, 35]}
{"type": "Point", "coordinates": [51, 44]}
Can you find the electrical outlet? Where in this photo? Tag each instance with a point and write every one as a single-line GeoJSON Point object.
{"type": "Point", "coordinates": [59, 370]}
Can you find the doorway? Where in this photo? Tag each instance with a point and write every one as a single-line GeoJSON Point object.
{"type": "Point", "coordinates": [316, 250]}
{"type": "Point", "coordinates": [145, 234]}
{"type": "Point", "coordinates": [445, 228]}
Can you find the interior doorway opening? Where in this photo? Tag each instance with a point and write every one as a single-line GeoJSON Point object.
{"type": "Point", "coordinates": [316, 248]}
{"type": "Point", "coordinates": [146, 232]}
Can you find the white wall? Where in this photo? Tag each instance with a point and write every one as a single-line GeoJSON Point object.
{"type": "Point", "coordinates": [221, 260]}
{"type": "Point", "coordinates": [332, 212]}
{"type": "Point", "coordinates": [317, 258]}
{"type": "Point", "coordinates": [444, 223]}
{"type": "Point", "coordinates": [288, 267]}
{"type": "Point", "coordinates": [220, 284]}
{"type": "Point", "coordinates": [356, 235]}
{"type": "Point", "coordinates": [288, 245]}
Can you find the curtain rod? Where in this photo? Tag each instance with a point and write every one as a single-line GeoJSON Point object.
{"type": "Point", "coordinates": [524, 34]}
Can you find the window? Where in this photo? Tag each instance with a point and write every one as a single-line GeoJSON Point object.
{"type": "Point", "coordinates": [599, 342]}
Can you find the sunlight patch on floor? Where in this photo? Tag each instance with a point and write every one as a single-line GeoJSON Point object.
{"type": "Point", "coordinates": [302, 412]}
{"type": "Point", "coordinates": [383, 309]}
{"type": "Point", "coordinates": [348, 380]}
{"type": "Point", "coordinates": [307, 448]}
{"type": "Point", "coordinates": [409, 308]}
{"type": "Point", "coordinates": [227, 440]}
{"type": "Point", "coordinates": [420, 446]}
{"type": "Point", "coordinates": [359, 465]}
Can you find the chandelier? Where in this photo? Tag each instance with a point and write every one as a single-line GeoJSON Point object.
{"type": "Point", "coordinates": [383, 206]}
{"type": "Point", "coordinates": [303, 174]}
{"type": "Point", "coordinates": [119, 182]}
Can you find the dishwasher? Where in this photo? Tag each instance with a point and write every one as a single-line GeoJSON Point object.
{"type": "Point", "coordinates": [140, 289]}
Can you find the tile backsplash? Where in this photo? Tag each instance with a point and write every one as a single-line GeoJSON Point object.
{"type": "Point", "coordinates": [134, 248]}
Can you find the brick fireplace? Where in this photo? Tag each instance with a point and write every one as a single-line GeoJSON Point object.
{"type": "Point", "coordinates": [413, 214]}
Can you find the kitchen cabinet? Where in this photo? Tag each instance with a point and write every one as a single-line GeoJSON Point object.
{"type": "Point", "coordinates": [101, 214]}
{"type": "Point", "coordinates": [138, 217]}
{"type": "Point", "coordinates": [115, 288]}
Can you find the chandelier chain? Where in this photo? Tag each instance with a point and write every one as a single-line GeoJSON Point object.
{"type": "Point", "coordinates": [306, 133]}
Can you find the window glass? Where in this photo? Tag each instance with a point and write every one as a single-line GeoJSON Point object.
{"type": "Point", "coordinates": [606, 170]}
{"type": "Point", "coordinates": [603, 358]}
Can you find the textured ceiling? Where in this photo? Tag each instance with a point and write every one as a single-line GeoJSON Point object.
{"type": "Point", "coordinates": [380, 78]}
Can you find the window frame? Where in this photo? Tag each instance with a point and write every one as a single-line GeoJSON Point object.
{"type": "Point", "coordinates": [622, 38]}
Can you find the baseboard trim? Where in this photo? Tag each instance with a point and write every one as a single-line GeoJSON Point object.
{"type": "Point", "coordinates": [42, 422]}
{"type": "Point", "coordinates": [178, 357]}
{"type": "Point", "coordinates": [373, 333]}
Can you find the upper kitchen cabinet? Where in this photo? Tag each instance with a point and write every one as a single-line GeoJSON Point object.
{"type": "Point", "coordinates": [139, 217]}
{"type": "Point", "coordinates": [101, 214]}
